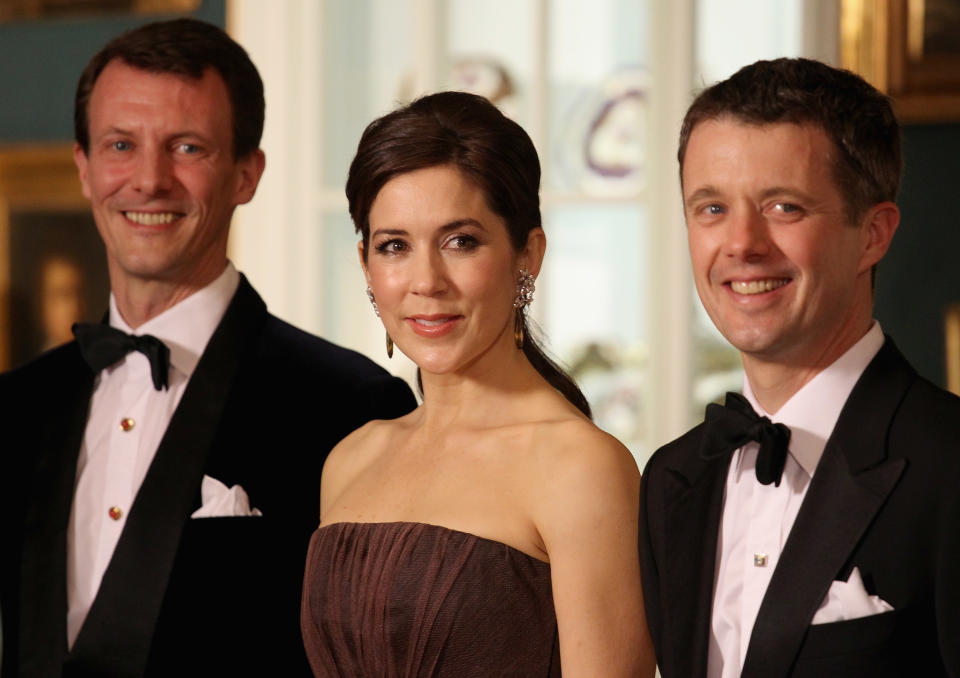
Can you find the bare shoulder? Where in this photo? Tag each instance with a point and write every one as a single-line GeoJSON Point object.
{"type": "Point", "coordinates": [561, 437]}
{"type": "Point", "coordinates": [355, 453]}
{"type": "Point", "coordinates": [577, 448]}
{"type": "Point", "coordinates": [582, 477]}
{"type": "Point", "coordinates": [586, 513]}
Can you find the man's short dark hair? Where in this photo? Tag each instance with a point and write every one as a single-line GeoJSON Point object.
{"type": "Point", "coordinates": [185, 47]}
{"type": "Point", "coordinates": [857, 118]}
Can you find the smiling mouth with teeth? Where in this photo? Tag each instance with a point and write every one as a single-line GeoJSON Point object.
{"type": "Point", "coordinates": [757, 286]}
{"type": "Point", "coordinates": [151, 218]}
{"type": "Point", "coordinates": [433, 322]}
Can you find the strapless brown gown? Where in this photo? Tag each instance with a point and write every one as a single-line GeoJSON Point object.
{"type": "Point", "coordinates": [409, 600]}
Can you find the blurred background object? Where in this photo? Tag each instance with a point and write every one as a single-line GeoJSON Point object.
{"type": "Point", "coordinates": [601, 87]}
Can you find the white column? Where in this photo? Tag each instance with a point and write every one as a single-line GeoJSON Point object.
{"type": "Point", "coordinates": [671, 65]}
{"type": "Point", "coordinates": [276, 238]}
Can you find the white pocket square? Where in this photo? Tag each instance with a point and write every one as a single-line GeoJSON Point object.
{"type": "Point", "coordinates": [218, 501]}
{"type": "Point", "coordinates": [849, 600]}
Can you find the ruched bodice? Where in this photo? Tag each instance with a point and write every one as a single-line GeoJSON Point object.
{"type": "Point", "coordinates": [405, 600]}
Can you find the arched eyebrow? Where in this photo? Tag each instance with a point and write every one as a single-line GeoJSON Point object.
{"type": "Point", "coordinates": [449, 226]}
{"type": "Point", "coordinates": [703, 193]}
{"type": "Point", "coordinates": [786, 192]}
{"type": "Point", "coordinates": [458, 223]}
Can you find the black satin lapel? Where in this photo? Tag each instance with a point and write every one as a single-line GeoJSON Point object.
{"type": "Point", "coordinates": [115, 638]}
{"type": "Point", "coordinates": [43, 574]}
{"type": "Point", "coordinates": [695, 501]}
{"type": "Point", "coordinates": [851, 483]}
{"type": "Point", "coordinates": [835, 514]}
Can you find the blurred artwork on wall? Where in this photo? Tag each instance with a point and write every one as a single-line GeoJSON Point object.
{"type": "Point", "coordinates": [19, 10]}
{"type": "Point", "coordinates": [909, 49]}
{"type": "Point", "coordinates": [951, 336]}
{"type": "Point", "coordinates": [53, 269]}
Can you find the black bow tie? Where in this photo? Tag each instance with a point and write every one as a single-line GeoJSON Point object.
{"type": "Point", "coordinates": [102, 346]}
{"type": "Point", "coordinates": [734, 424]}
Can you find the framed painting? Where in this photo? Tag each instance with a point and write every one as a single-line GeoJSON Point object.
{"type": "Point", "coordinates": [53, 269]}
{"type": "Point", "coordinates": [951, 327]}
{"type": "Point", "coordinates": [15, 10]}
{"type": "Point", "coordinates": [909, 49]}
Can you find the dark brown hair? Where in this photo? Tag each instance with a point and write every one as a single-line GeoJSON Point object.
{"type": "Point", "coordinates": [469, 133]}
{"type": "Point", "coordinates": [185, 47]}
{"type": "Point", "coordinates": [857, 118]}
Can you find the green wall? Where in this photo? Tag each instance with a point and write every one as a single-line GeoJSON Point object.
{"type": "Point", "coordinates": [921, 273]}
{"type": "Point", "coordinates": [40, 62]}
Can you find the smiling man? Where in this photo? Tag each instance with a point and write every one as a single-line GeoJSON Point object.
{"type": "Point", "coordinates": [809, 527]}
{"type": "Point", "coordinates": [162, 480]}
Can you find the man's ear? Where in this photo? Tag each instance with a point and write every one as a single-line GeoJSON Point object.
{"type": "Point", "coordinates": [250, 170]}
{"type": "Point", "coordinates": [531, 257]}
{"type": "Point", "coordinates": [80, 160]}
{"type": "Point", "coordinates": [879, 224]}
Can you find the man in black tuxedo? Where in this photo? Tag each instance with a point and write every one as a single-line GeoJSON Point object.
{"type": "Point", "coordinates": [812, 526]}
{"type": "Point", "coordinates": [158, 503]}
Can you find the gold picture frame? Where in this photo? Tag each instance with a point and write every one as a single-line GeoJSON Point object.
{"type": "Point", "coordinates": [951, 334]}
{"type": "Point", "coordinates": [52, 262]}
{"type": "Point", "coordinates": [18, 10]}
{"type": "Point", "coordinates": [909, 49]}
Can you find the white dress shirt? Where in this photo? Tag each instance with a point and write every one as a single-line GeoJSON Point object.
{"type": "Point", "coordinates": [757, 518]}
{"type": "Point", "coordinates": [127, 420]}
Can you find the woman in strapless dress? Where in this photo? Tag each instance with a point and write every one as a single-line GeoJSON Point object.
{"type": "Point", "coordinates": [493, 530]}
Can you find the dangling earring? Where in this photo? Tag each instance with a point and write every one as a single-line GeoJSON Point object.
{"type": "Point", "coordinates": [518, 334]}
{"type": "Point", "coordinates": [373, 301]}
{"type": "Point", "coordinates": [376, 309]}
{"type": "Point", "coordinates": [525, 290]}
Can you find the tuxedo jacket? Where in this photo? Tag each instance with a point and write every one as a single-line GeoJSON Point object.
{"type": "Point", "coordinates": [182, 596]}
{"type": "Point", "coordinates": [884, 498]}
